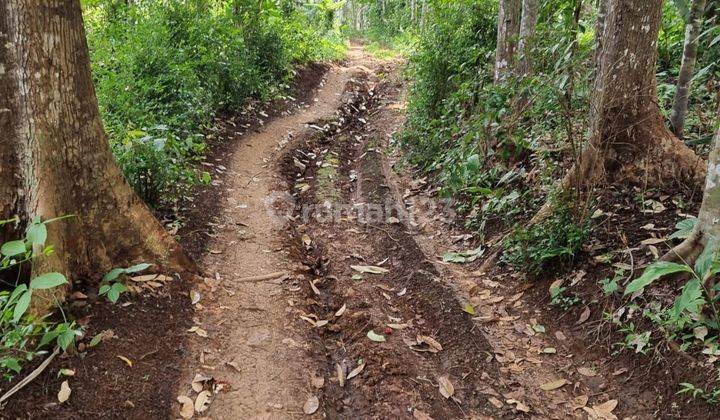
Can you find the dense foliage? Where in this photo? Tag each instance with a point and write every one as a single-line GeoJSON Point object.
{"type": "Point", "coordinates": [162, 70]}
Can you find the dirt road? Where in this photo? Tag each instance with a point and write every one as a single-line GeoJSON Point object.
{"type": "Point", "coordinates": [361, 318]}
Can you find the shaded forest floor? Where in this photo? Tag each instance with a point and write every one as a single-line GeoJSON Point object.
{"type": "Point", "coordinates": [358, 316]}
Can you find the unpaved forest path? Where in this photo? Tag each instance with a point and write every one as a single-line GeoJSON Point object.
{"type": "Point", "coordinates": [275, 345]}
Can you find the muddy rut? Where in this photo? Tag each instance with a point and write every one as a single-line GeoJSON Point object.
{"type": "Point", "coordinates": [326, 295]}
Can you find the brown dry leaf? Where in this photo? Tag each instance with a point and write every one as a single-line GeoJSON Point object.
{"type": "Point", "coordinates": [519, 406]}
{"type": "Point", "coordinates": [187, 408]}
{"type": "Point", "coordinates": [311, 405]}
{"type": "Point", "coordinates": [64, 393]}
{"type": "Point", "coordinates": [653, 241]}
{"type": "Point", "coordinates": [126, 360]}
{"type": "Point", "coordinates": [198, 382]}
{"type": "Point", "coordinates": [620, 371]}
{"type": "Point", "coordinates": [341, 311]}
{"type": "Point", "coordinates": [314, 289]}
{"type": "Point", "coordinates": [195, 296]}
{"type": "Point", "coordinates": [202, 402]}
{"type": "Point", "coordinates": [199, 331]}
{"type": "Point", "coordinates": [555, 285]}
{"type": "Point", "coordinates": [447, 389]}
{"type": "Point", "coordinates": [552, 385]}
{"type": "Point", "coordinates": [583, 316]}
{"type": "Point", "coordinates": [434, 345]}
{"type": "Point", "coordinates": [306, 241]}
{"type": "Point", "coordinates": [494, 401]}
{"type": "Point", "coordinates": [602, 411]}
{"type": "Point", "coordinates": [370, 269]}
{"type": "Point", "coordinates": [398, 326]}
{"type": "Point", "coordinates": [549, 350]}
{"type": "Point", "coordinates": [355, 372]}
{"type": "Point", "coordinates": [579, 402]}
{"type": "Point", "coordinates": [340, 374]}
{"type": "Point", "coordinates": [586, 372]}
{"type": "Point", "coordinates": [515, 297]}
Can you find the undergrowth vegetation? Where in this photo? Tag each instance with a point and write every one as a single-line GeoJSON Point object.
{"type": "Point", "coordinates": [163, 72]}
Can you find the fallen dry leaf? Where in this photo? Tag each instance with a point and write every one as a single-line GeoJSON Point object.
{"type": "Point", "coordinates": [126, 360]}
{"type": "Point", "coordinates": [341, 311]}
{"type": "Point", "coordinates": [311, 405]}
{"type": "Point", "coordinates": [579, 402]}
{"type": "Point", "coordinates": [447, 389]}
{"type": "Point", "coordinates": [202, 402]}
{"type": "Point", "coordinates": [549, 386]}
{"type": "Point", "coordinates": [583, 316]}
{"type": "Point", "coordinates": [371, 269]}
{"type": "Point", "coordinates": [602, 411]}
{"type": "Point", "coordinates": [317, 381]}
{"type": "Point", "coordinates": [426, 343]}
{"type": "Point", "coordinates": [187, 408]}
{"type": "Point", "coordinates": [199, 331]}
{"type": "Point", "coordinates": [586, 372]}
{"type": "Point", "coordinates": [494, 401]}
{"type": "Point", "coordinates": [355, 372]}
{"type": "Point", "coordinates": [64, 393]}
{"type": "Point", "coordinates": [340, 374]}
{"type": "Point", "coordinates": [195, 296]}
{"type": "Point", "coordinates": [519, 406]}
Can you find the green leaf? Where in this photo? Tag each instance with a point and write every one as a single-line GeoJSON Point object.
{"type": "Point", "coordinates": [654, 272]}
{"type": "Point", "coordinates": [18, 290]}
{"type": "Point", "coordinates": [113, 274]}
{"type": "Point", "coordinates": [22, 305]}
{"type": "Point", "coordinates": [13, 248]}
{"type": "Point", "coordinates": [48, 337]}
{"type": "Point", "coordinates": [104, 289]}
{"type": "Point", "coordinates": [704, 261]}
{"type": "Point", "coordinates": [11, 363]}
{"type": "Point", "coordinates": [115, 290]}
{"type": "Point", "coordinates": [375, 337]}
{"type": "Point", "coordinates": [66, 338]}
{"type": "Point", "coordinates": [691, 299]}
{"type": "Point", "coordinates": [684, 228]}
{"type": "Point", "coordinates": [37, 234]}
{"type": "Point", "coordinates": [138, 268]}
{"type": "Point", "coordinates": [47, 281]}
{"type": "Point", "coordinates": [96, 340]}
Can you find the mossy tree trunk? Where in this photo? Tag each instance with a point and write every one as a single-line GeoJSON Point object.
{"type": "Point", "coordinates": [687, 68]}
{"type": "Point", "coordinates": [55, 158]}
{"type": "Point", "coordinates": [629, 143]}
{"type": "Point", "coordinates": [708, 223]}
{"type": "Point", "coordinates": [508, 33]}
{"type": "Point", "coordinates": [528, 23]}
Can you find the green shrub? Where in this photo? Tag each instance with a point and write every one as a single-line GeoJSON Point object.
{"type": "Point", "coordinates": [175, 64]}
{"type": "Point", "coordinates": [554, 241]}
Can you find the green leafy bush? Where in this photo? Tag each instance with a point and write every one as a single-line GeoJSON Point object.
{"type": "Point", "coordinates": [556, 240]}
{"type": "Point", "coordinates": [24, 336]}
{"type": "Point", "coordinates": [175, 64]}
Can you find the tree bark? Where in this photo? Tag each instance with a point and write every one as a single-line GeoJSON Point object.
{"type": "Point", "coordinates": [55, 158]}
{"type": "Point", "coordinates": [708, 223]}
{"type": "Point", "coordinates": [528, 23]}
{"type": "Point", "coordinates": [629, 143]}
{"type": "Point", "coordinates": [507, 37]}
{"type": "Point", "coordinates": [687, 68]}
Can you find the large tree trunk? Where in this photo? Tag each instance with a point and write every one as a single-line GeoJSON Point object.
{"type": "Point", "coordinates": [55, 159]}
{"type": "Point", "coordinates": [629, 143]}
{"type": "Point", "coordinates": [708, 223]}
{"type": "Point", "coordinates": [507, 37]}
{"type": "Point", "coordinates": [528, 23]}
{"type": "Point", "coordinates": [687, 68]}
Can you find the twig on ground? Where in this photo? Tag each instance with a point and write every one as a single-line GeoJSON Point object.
{"type": "Point", "coordinates": [34, 374]}
{"type": "Point", "coordinates": [264, 277]}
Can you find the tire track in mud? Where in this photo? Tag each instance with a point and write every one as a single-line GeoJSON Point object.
{"type": "Point", "coordinates": [343, 166]}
